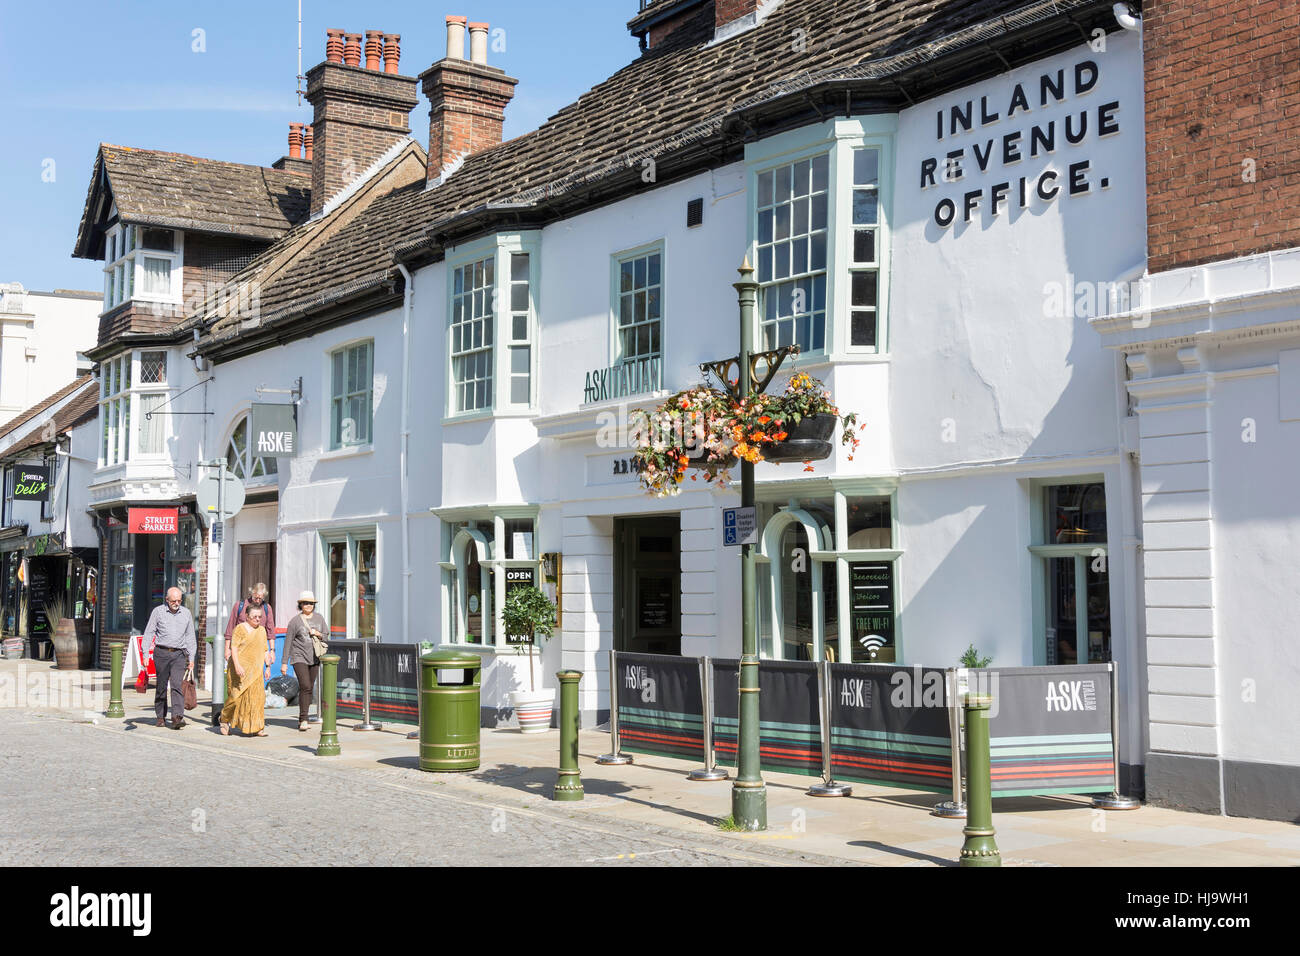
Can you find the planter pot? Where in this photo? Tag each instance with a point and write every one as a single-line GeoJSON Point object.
{"type": "Point", "coordinates": [533, 709]}
{"type": "Point", "coordinates": [809, 440]}
{"type": "Point", "coordinates": [67, 645]}
{"type": "Point", "coordinates": [713, 467]}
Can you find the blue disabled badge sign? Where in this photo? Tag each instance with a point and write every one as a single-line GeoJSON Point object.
{"type": "Point", "coordinates": [739, 526]}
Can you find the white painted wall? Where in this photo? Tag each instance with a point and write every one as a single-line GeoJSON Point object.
{"type": "Point", "coordinates": [40, 335]}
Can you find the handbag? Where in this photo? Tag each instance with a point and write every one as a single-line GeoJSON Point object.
{"type": "Point", "coordinates": [191, 693]}
{"type": "Point", "coordinates": [320, 646]}
{"type": "Point", "coordinates": [142, 682]}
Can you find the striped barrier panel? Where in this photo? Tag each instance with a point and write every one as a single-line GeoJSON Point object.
{"type": "Point", "coordinates": [348, 688]}
{"type": "Point", "coordinates": [394, 683]}
{"type": "Point", "coordinates": [889, 726]}
{"type": "Point", "coordinates": [789, 727]}
{"type": "Point", "coordinates": [1050, 729]}
{"type": "Point", "coordinates": [660, 707]}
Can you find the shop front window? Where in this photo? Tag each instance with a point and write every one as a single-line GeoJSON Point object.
{"type": "Point", "coordinates": [487, 557]}
{"type": "Point", "coordinates": [823, 596]}
{"type": "Point", "coordinates": [1073, 553]}
{"type": "Point", "coordinates": [352, 585]}
{"type": "Point", "coordinates": [121, 582]}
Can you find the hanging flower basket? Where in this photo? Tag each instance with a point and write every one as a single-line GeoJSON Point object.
{"type": "Point", "coordinates": [806, 440]}
{"type": "Point", "coordinates": [703, 428]}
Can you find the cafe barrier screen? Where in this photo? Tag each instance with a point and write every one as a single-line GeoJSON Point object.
{"type": "Point", "coordinates": [789, 727]}
{"type": "Point", "coordinates": [1050, 729]}
{"type": "Point", "coordinates": [349, 687]}
{"type": "Point", "coordinates": [889, 726]}
{"type": "Point", "coordinates": [394, 683]}
{"type": "Point", "coordinates": [660, 707]}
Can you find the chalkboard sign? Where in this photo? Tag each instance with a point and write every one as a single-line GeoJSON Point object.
{"type": "Point", "coordinates": [871, 611]}
{"type": "Point", "coordinates": [519, 578]}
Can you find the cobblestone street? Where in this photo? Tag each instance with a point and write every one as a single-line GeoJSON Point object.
{"type": "Point", "coordinates": [83, 795]}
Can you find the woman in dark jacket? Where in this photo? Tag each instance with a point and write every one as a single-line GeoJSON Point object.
{"type": "Point", "coordinates": [300, 651]}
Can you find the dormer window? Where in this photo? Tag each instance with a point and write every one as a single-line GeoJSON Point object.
{"type": "Point", "coordinates": [141, 263]}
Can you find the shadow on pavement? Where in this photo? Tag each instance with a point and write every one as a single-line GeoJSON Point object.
{"type": "Point", "coordinates": [899, 851]}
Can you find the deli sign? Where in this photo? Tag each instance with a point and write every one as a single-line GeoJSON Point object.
{"type": "Point", "coordinates": [152, 520]}
{"type": "Point", "coordinates": [31, 483]}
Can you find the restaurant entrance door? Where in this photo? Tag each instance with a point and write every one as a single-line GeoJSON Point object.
{"type": "Point", "coordinates": [647, 585]}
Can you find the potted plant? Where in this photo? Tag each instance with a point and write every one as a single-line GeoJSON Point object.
{"type": "Point", "coordinates": [63, 632]}
{"type": "Point", "coordinates": [529, 611]}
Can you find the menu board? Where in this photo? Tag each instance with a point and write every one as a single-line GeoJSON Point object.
{"type": "Point", "coordinates": [871, 611]}
{"type": "Point", "coordinates": [654, 602]}
{"type": "Point", "coordinates": [519, 578]}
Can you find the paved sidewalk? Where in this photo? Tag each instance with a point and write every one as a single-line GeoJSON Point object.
{"type": "Point", "coordinates": [876, 826]}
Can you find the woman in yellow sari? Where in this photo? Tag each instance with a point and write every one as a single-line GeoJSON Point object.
{"type": "Point", "coordinates": [245, 675]}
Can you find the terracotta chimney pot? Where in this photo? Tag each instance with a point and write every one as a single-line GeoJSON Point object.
{"type": "Point", "coordinates": [352, 49]}
{"type": "Point", "coordinates": [374, 48]}
{"type": "Point", "coordinates": [295, 140]}
{"type": "Point", "coordinates": [307, 137]}
{"type": "Point", "coordinates": [392, 51]}
{"type": "Point", "coordinates": [334, 46]}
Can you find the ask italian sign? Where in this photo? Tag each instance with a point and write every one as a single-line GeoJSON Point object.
{"type": "Point", "coordinates": [274, 431]}
{"type": "Point", "coordinates": [31, 483]}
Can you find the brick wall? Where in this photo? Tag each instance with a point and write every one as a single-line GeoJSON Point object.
{"type": "Point", "coordinates": [467, 104]}
{"type": "Point", "coordinates": [359, 114]}
{"type": "Point", "coordinates": [1222, 122]}
{"type": "Point", "coordinates": [724, 11]}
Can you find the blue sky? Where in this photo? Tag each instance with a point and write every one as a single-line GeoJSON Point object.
{"type": "Point", "coordinates": [74, 74]}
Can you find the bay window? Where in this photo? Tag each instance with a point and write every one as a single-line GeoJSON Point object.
{"type": "Point", "coordinates": [141, 263]}
{"type": "Point", "coordinates": [133, 388]}
{"type": "Point", "coordinates": [819, 227]}
{"type": "Point", "coordinates": [492, 326]}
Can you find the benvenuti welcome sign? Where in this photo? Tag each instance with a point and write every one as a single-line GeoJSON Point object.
{"type": "Point", "coordinates": [31, 483]}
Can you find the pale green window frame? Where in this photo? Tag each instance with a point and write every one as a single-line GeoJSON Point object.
{"type": "Point", "coordinates": [492, 550]}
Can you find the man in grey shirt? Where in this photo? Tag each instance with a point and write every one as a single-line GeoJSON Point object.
{"type": "Point", "coordinates": [171, 631]}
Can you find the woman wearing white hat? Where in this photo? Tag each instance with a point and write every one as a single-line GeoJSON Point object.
{"type": "Point", "coordinates": [304, 642]}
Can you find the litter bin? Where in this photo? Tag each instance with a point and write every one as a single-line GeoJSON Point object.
{"type": "Point", "coordinates": [449, 711]}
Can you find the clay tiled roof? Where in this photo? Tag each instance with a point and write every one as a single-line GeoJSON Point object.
{"type": "Point", "coordinates": [659, 106]}
{"type": "Point", "coordinates": [172, 190]}
{"type": "Point", "coordinates": [26, 416]}
{"type": "Point", "coordinates": [83, 408]}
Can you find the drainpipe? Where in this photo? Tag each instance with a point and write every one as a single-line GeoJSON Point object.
{"type": "Point", "coordinates": [408, 297]}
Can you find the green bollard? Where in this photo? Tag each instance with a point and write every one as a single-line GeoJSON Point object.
{"type": "Point", "coordinates": [568, 785]}
{"type": "Point", "coordinates": [329, 737]}
{"type": "Point", "coordinates": [980, 848]}
{"type": "Point", "coordinates": [115, 708]}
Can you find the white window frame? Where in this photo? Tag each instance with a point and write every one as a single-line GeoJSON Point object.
{"type": "Point", "coordinates": [115, 392]}
{"type": "Point", "coordinates": [345, 348]}
{"type": "Point", "coordinates": [491, 551]}
{"type": "Point", "coordinates": [836, 138]}
{"type": "Point", "coordinates": [827, 554]}
{"type": "Point", "coordinates": [615, 295]}
{"type": "Point", "coordinates": [350, 537]}
{"type": "Point", "coordinates": [1082, 553]}
{"type": "Point", "coordinates": [246, 464]}
{"type": "Point", "coordinates": [499, 248]}
{"type": "Point", "coordinates": [124, 268]}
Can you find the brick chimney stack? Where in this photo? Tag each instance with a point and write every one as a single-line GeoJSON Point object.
{"type": "Point", "coordinates": [467, 98]}
{"type": "Point", "coordinates": [359, 113]}
{"type": "Point", "coordinates": [727, 12]}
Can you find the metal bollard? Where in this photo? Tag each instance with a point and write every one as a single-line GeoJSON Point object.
{"type": "Point", "coordinates": [115, 708]}
{"type": "Point", "coordinates": [828, 787]}
{"type": "Point", "coordinates": [710, 771]}
{"type": "Point", "coordinates": [615, 757]}
{"type": "Point", "coordinates": [980, 847]}
{"type": "Point", "coordinates": [568, 784]}
{"type": "Point", "coordinates": [953, 809]}
{"type": "Point", "coordinates": [365, 691]}
{"type": "Point", "coordinates": [329, 738]}
{"type": "Point", "coordinates": [1115, 800]}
